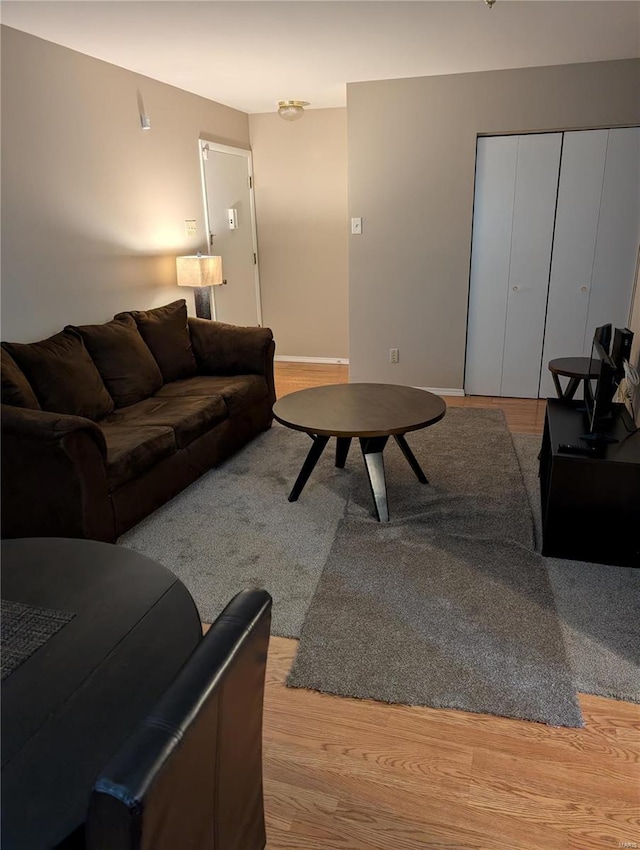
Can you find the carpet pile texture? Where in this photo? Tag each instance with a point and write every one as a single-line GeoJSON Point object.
{"type": "Point", "coordinates": [598, 605]}
{"type": "Point", "coordinates": [449, 605]}
{"type": "Point", "coordinates": [233, 528]}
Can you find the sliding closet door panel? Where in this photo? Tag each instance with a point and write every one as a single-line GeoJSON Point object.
{"type": "Point", "coordinates": [579, 192]}
{"type": "Point", "coordinates": [531, 240]}
{"type": "Point", "coordinates": [492, 222]}
{"type": "Point", "coordinates": [618, 233]}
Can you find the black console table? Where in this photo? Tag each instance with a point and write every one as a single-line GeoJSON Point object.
{"type": "Point", "coordinates": [590, 502]}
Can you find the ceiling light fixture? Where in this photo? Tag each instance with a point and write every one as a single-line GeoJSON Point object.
{"type": "Point", "coordinates": [490, 3]}
{"type": "Point", "coordinates": [291, 110]}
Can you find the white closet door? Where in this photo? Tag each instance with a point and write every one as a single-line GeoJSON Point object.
{"type": "Point", "coordinates": [531, 241]}
{"type": "Point", "coordinates": [618, 234]}
{"type": "Point", "coordinates": [579, 191]}
{"type": "Point", "coordinates": [492, 221]}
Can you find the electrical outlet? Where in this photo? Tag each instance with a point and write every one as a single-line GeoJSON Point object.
{"type": "Point", "coordinates": [394, 355]}
{"type": "Point", "coordinates": [190, 226]}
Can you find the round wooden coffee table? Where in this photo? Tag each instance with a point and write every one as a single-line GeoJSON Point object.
{"type": "Point", "coordinates": [370, 412]}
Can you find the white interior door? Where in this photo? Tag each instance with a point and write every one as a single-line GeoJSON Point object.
{"type": "Point", "coordinates": [596, 241]}
{"type": "Point", "coordinates": [531, 241]}
{"type": "Point", "coordinates": [618, 234]}
{"type": "Point", "coordinates": [579, 191]}
{"type": "Point", "coordinates": [227, 179]}
{"type": "Point", "coordinates": [515, 195]}
{"type": "Point", "coordinates": [496, 160]}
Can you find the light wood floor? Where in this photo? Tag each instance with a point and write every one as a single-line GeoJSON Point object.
{"type": "Point", "coordinates": [355, 774]}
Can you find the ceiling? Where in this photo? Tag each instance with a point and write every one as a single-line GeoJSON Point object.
{"type": "Point", "coordinates": [249, 54]}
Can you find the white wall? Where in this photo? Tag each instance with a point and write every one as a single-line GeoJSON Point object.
{"type": "Point", "coordinates": [411, 177]}
{"type": "Point", "coordinates": [93, 207]}
{"type": "Point", "coordinates": [301, 209]}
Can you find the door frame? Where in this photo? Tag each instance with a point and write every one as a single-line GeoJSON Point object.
{"type": "Point", "coordinates": [205, 145]}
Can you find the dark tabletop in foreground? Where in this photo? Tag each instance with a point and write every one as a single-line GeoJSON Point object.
{"type": "Point", "coordinates": [70, 705]}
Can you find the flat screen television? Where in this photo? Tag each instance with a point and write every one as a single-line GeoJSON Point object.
{"type": "Point", "coordinates": [603, 336]}
{"type": "Point", "coordinates": [599, 398]}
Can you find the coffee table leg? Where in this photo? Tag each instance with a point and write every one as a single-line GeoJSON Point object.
{"type": "Point", "coordinates": [411, 458]}
{"type": "Point", "coordinates": [308, 466]}
{"type": "Point", "coordinates": [372, 448]}
{"type": "Point", "coordinates": [572, 386]}
{"type": "Point", "coordinates": [557, 385]}
{"type": "Point", "coordinates": [342, 450]}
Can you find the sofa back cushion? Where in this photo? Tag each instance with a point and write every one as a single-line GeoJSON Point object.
{"type": "Point", "coordinates": [16, 390]}
{"type": "Point", "coordinates": [63, 376]}
{"type": "Point", "coordinates": [223, 349]}
{"type": "Point", "coordinates": [127, 367]}
{"type": "Point", "coordinates": [165, 331]}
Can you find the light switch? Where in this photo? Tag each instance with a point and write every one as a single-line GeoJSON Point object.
{"type": "Point", "coordinates": [190, 227]}
{"type": "Point", "coordinates": [356, 226]}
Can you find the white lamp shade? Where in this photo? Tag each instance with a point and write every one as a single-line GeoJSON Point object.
{"type": "Point", "coordinates": [199, 270]}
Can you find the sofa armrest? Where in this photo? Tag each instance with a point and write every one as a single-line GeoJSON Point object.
{"type": "Point", "coordinates": [222, 349]}
{"type": "Point", "coordinates": [54, 481]}
{"type": "Point", "coordinates": [48, 427]}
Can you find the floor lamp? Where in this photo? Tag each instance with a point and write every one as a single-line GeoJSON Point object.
{"type": "Point", "coordinates": [200, 271]}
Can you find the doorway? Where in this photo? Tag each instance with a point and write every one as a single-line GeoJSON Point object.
{"type": "Point", "coordinates": [227, 184]}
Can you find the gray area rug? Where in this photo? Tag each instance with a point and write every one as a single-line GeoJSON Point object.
{"type": "Point", "coordinates": [234, 528]}
{"type": "Point", "coordinates": [598, 605]}
{"type": "Point", "coordinates": [448, 605]}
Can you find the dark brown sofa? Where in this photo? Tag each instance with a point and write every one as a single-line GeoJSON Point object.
{"type": "Point", "coordinates": [102, 424]}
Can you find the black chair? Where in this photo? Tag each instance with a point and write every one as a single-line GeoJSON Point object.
{"type": "Point", "coordinates": [190, 775]}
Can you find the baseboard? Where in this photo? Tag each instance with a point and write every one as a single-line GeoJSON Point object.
{"type": "Point", "coordinates": [343, 361]}
{"type": "Point", "coordinates": [442, 391]}
{"type": "Point", "coordinates": [289, 358]}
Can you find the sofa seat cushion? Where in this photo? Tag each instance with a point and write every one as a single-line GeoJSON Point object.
{"type": "Point", "coordinates": [128, 369]}
{"type": "Point", "coordinates": [188, 416]}
{"type": "Point", "coordinates": [165, 331]}
{"type": "Point", "coordinates": [63, 376]}
{"type": "Point", "coordinates": [133, 449]}
{"type": "Point", "coordinates": [239, 392]}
